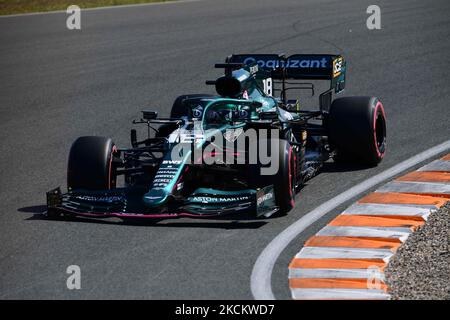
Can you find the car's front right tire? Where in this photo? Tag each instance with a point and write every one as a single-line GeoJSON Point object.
{"type": "Point", "coordinates": [90, 164]}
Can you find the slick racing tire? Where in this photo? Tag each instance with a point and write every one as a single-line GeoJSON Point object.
{"type": "Point", "coordinates": [357, 130]}
{"type": "Point", "coordinates": [284, 179]}
{"type": "Point", "coordinates": [91, 164]}
{"type": "Point", "coordinates": [179, 109]}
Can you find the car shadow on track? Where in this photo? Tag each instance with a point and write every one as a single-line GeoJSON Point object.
{"type": "Point", "coordinates": [232, 221]}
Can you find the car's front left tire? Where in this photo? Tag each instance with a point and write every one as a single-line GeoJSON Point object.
{"type": "Point", "coordinates": [283, 178]}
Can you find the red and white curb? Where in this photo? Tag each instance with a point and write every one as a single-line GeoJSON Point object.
{"type": "Point", "coordinates": [346, 259]}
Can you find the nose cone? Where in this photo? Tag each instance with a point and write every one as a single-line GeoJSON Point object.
{"type": "Point", "coordinates": [155, 197]}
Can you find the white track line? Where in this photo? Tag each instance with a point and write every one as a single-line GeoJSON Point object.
{"type": "Point", "coordinates": [261, 278]}
{"type": "Point", "coordinates": [370, 209]}
{"type": "Point", "coordinates": [371, 232]}
{"type": "Point", "coordinates": [310, 273]}
{"type": "Point", "coordinates": [437, 165]}
{"type": "Point", "coordinates": [416, 187]}
{"type": "Point", "coordinates": [123, 6]}
{"type": "Point", "coordinates": [343, 253]}
{"type": "Point", "coordinates": [339, 294]}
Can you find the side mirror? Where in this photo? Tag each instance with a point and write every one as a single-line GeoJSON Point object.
{"type": "Point", "coordinates": [270, 115]}
{"type": "Point", "coordinates": [149, 115]}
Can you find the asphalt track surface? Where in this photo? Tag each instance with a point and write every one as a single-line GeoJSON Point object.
{"type": "Point", "coordinates": [56, 85]}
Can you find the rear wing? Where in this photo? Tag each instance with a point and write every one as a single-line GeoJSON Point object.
{"type": "Point", "coordinates": [298, 66]}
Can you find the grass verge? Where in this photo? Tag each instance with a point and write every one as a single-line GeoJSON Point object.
{"type": "Point", "coordinates": [27, 6]}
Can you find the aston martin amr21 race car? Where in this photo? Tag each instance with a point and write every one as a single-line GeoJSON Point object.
{"type": "Point", "coordinates": [246, 149]}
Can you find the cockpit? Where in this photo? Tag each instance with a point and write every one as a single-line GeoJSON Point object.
{"type": "Point", "coordinates": [228, 112]}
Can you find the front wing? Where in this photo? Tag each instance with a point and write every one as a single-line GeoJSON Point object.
{"type": "Point", "coordinates": [127, 203]}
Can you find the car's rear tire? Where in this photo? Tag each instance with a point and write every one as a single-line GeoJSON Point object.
{"type": "Point", "coordinates": [283, 180]}
{"type": "Point", "coordinates": [357, 130]}
{"type": "Point", "coordinates": [90, 164]}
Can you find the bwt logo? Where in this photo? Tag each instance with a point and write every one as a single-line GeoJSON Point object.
{"type": "Point", "coordinates": [291, 63]}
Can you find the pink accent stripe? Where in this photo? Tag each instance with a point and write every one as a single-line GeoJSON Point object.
{"type": "Point", "coordinates": [136, 215]}
{"type": "Point", "coordinates": [290, 177]}
{"type": "Point", "coordinates": [114, 150]}
{"type": "Point", "coordinates": [379, 105]}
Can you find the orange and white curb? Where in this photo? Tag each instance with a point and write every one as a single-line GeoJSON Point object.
{"type": "Point", "coordinates": [346, 259]}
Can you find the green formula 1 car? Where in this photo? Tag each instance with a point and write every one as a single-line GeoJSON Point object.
{"type": "Point", "coordinates": [247, 149]}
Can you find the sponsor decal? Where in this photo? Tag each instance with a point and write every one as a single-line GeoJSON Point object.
{"type": "Point", "coordinates": [162, 180]}
{"type": "Point", "coordinates": [197, 112]}
{"type": "Point", "coordinates": [170, 171]}
{"type": "Point", "coordinates": [162, 176]}
{"type": "Point", "coordinates": [109, 199]}
{"type": "Point", "coordinates": [337, 67]}
{"type": "Point", "coordinates": [254, 69]}
{"type": "Point", "coordinates": [209, 199]}
{"type": "Point", "coordinates": [165, 175]}
{"type": "Point", "coordinates": [291, 63]}
{"type": "Point", "coordinates": [171, 162]}
{"type": "Point", "coordinates": [265, 202]}
{"type": "Point", "coordinates": [263, 198]}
